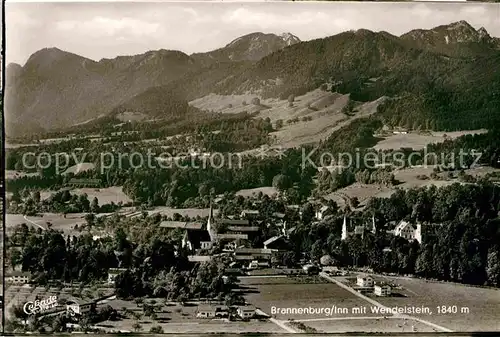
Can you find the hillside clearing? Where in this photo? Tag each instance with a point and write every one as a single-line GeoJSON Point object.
{"type": "Point", "coordinates": [418, 141]}
{"type": "Point", "coordinates": [310, 118]}
{"type": "Point", "coordinates": [270, 191]}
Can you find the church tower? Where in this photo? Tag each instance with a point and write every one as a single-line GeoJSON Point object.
{"type": "Point", "coordinates": [344, 229]}
{"type": "Point", "coordinates": [210, 222]}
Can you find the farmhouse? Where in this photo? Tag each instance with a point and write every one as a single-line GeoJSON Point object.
{"type": "Point", "coordinates": [408, 231]}
{"type": "Point", "coordinates": [73, 307]}
{"type": "Point", "coordinates": [382, 290]}
{"type": "Point", "coordinates": [113, 272]}
{"type": "Point", "coordinates": [18, 277]}
{"type": "Point", "coordinates": [246, 312]}
{"type": "Point", "coordinates": [252, 254]}
{"type": "Point", "coordinates": [364, 281]}
{"type": "Point", "coordinates": [212, 311]}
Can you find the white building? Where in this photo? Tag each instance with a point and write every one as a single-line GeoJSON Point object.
{"type": "Point", "coordinates": [246, 312]}
{"type": "Point", "coordinates": [212, 311]}
{"type": "Point", "coordinates": [382, 290]}
{"type": "Point", "coordinates": [74, 308]}
{"type": "Point", "coordinates": [364, 281]}
{"type": "Point", "coordinates": [408, 231]}
{"type": "Point", "coordinates": [18, 277]}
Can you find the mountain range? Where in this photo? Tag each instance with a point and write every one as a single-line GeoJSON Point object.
{"type": "Point", "coordinates": [448, 75]}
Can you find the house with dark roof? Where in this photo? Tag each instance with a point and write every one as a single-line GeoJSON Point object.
{"type": "Point", "coordinates": [194, 240]}
{"type": "Point", "coordinates": [182, 225]}
{"type": "Point", "coordinates": [252, 254]}
{"type": "Point", "coordinates": [246, 312]}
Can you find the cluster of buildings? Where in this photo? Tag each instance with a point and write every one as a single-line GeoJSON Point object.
{"type": "Point", "coordinates": [404, 229]}
{"type": "Point", "coordinates": [366, 284]}
{"type": "Point", "coordinates": [237, 237]}
{"type": "Point", "coordinates": [222, 311]}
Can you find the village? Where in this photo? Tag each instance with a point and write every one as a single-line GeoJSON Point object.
{"type": "Point", "coordinates": [251, 266]}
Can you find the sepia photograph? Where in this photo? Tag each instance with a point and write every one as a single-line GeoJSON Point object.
{"type": "Point", "coordinates": [251, 167]}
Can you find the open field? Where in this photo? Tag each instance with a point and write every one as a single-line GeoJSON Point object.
{"type": "Point", "coordinates": [182, 319]}
{"type": "Point", "coordinates": [318, 113]}
{"type": "Point", "coordinates": [254, 191]}
{"type": "Point", "coordinates": [408, 178]}
{"type": "Point", "coordinates": [482, 303]}
{"type": "Point", "coordinates": [82, 167]}
{"type": "Point", "coordinates": [367, 324]}
{"type": "Point", "coordinates": [418, 141]}
{"type": "Point", "coordinates": [481, 171]}
{"type": "Point", "coordinates": [190, 212]}
{"type": "Point", "coordinates": [194, 325]}
{"type": "Point", "coordinates": [284, 292]}
{"type": "Point", "coordinates": [361, 191]}
{"type": "Point", "coordinates": [289, 293]}
{"type": "Point", "coordinates": [11, 174]}
{"type": "Point", "coordinates": [57, 220]}
{"type": "Point", "coordinates": [16, 146]}
{"type": "Point", "coordinates": [176, 318]}
{"type": "Point", "coordinates": [18, 295]}
{"type": "Point", "coordinates": [104, 195]}
{"type": "Point", "coordinates": [324, 122]}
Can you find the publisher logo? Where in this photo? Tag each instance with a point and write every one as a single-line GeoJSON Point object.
{"type": "Point", "coordinates": [35, 307]}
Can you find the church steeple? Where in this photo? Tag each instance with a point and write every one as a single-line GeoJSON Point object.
{"type": "Point", "coordinates": [210, 220]}
{"type": "Point", "coordinates": [344, 229]}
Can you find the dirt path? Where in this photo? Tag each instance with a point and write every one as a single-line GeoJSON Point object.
{"type": "Point", "coordinates": [34, 223]}
{"type": "Point", "coordinates": [280, 323]}
{"type": "Point", "coordinates": [381, 306]}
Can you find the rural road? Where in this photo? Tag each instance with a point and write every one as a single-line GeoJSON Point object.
{"type": "Point", "coordinates": [372, 301]}
{"type": "Point", "coordinates": [34, 223]}
{"type": "Point", "coordinates": [281, 324]}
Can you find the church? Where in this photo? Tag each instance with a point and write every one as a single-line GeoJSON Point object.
{"type": "Point", "coordinates": [358, 230]}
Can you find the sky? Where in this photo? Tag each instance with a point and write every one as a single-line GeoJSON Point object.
{"type": "Point", "coordinates": [106, 30]}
